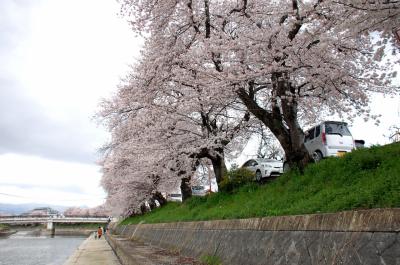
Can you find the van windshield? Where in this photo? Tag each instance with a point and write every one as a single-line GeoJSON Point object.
{"type": "Point", "coordinates": [337, 128]}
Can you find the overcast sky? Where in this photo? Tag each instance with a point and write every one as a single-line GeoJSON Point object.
{"type": "Point", "coordinates": [58, 58]}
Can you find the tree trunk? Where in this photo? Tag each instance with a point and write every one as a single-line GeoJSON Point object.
{"type": "Point", "coordinates": [160, 198]}
{"type": "Point", "coordinates": [186, 190]}
{"type": "Point", "coordinates": [152, 203]}
{"type": "Point", "coordinates": [281, 119]}
{"type": "Point", "coordinates": [219, 167]}
{"type": "Point", "coordinates": [143, 208]}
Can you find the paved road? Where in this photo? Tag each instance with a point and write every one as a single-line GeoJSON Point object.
{"type": "Point", "coordinates": [93, 251]}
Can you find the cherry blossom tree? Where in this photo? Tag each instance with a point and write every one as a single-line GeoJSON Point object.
{"type": "Point", "coordinates": [100, 211]}
{"type": "Point", "coordinates": [126, 183]}
{"type": "Point", "coordinates": [207, 64]}
{"type": "Point", "coordinates": [282, 59]}
{"type": "Point", "coordinates": [84, 212]}
{"type": "Point", "coordinates": [163, 130]}
{"type": "Point", "coordinates": [76, 211]}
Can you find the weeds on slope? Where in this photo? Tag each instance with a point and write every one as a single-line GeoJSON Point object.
{"type": "Point", "coordinates": [366, 178]}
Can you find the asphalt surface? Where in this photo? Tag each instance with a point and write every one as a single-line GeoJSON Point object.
{"type": "Point", "coordinates": [93, 251]}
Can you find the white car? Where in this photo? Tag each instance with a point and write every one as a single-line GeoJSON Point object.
{"type": "Point", "coordinates": [264, 168]}
{"type": "Point", "coordinates": [199, 191]}
{"type": "Point", "coordinates": [174, 197]}
{"type": "Point", "coordinates": [330, 138]}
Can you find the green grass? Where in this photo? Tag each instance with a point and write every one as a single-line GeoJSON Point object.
{"type": "Point", "coordinates": [210, 260]}
{"type": "Point", "coordinates": [363, 179]}
{"type": "Point", "coordinates": [3, 227]}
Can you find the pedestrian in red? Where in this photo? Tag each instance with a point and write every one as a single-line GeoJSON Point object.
{"type": "Point", "coordinates": [99, 232]}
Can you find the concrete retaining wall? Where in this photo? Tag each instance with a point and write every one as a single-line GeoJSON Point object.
{"type": "Point", "coordinates": [352, 237]}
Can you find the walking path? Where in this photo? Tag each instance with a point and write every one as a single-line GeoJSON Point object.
{"type": "Point", "coordinates": [93, 251]}
{"type": "Point", "coordinates": [133, 251]}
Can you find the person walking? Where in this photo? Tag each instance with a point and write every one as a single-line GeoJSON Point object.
{"type": "Point", "coordinates": [99, 232]}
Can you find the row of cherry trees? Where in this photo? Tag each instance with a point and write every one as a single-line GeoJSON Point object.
{"type": "Point", "coordinates": [211, 71]}
{"type": "Point", "coordinates": [84, 212]}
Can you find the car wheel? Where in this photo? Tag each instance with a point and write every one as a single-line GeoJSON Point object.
{"type": "Point", "coordinates": [317, 156]}
{"type": "Point", "coordinates": [258, 176]}
{"type": "Point", "coordinates": [286, 167]}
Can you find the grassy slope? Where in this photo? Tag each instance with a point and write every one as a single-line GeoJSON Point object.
{"type": "Point", "coordinates": [367, 178]}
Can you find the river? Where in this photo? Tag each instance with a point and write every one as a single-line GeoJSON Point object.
{"type": "Point", "coordinates": [23, 248]}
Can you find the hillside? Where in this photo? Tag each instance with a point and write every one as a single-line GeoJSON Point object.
{"type": "Point", "coordinates": [366, 178]}
{"type": "Point", "coordinates": [16, 209]}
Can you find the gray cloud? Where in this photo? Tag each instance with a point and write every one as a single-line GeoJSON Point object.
{"type": "Point", "coordinates": [14, 17]}
{"type": "Point", "coordinates": [26, 129]}
{"type": "Point", "coordinates": [68, 189]}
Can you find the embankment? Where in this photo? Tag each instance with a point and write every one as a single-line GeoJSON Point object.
{"type": "Point", "coordinates": [350, 237]}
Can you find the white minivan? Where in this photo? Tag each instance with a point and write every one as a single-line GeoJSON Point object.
{"type": "Point", "coordinates": [330, 138]}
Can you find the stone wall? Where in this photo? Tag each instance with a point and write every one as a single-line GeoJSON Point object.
{"type": "Point", "coordinates": [351, 237]}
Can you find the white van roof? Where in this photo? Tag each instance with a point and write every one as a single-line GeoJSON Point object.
{"type": "Point", "coordinates": [337, 122]}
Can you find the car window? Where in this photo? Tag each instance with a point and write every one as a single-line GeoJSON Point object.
{"type": "Point", "coordinates": [252, 163]}
{"type": "Point", "coordinates": [306, 136]}
{"type": "Point", "coordinates": [337, 128]}
{"type": "Point", "coordinates": [246, 164]}
{"type": "Point", "coordinates": [317, 131]}
{"type": "Point", "coordinates": [312, 133]}
{"type": "Point", "coordinates": [309, 135]}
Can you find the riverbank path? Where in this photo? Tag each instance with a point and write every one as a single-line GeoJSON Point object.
{"type": "Point", "coordinates": [93, 252]}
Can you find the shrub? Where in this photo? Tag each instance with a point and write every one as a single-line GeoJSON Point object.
{"type": "Point", "coordinates": [235, 179]}
{"type": "Point", "coordinates": [368, 159]}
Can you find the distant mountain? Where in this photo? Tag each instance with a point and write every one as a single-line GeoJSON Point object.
{"type": "Point", "coordinates": [15, 209]}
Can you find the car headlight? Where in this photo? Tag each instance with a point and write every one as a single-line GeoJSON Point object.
{"type": "Point", "coordinates": [266, 166]}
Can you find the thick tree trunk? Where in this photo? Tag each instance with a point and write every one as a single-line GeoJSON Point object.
{"type": "Point", "coordinates": [281, 119]}
{"type": "Point", "coordinates": [186, 190]}
{"type": "Point", "coordinates": [293, 144]}
{"type": "Point", "coordinates": [217, 160]}
{"type": "Point", "coordinates": [152, 203]}
{"type": "Point", "coordinates": [219, 167]}
{"type": "Point", "coordinates": [291, 140]}
{"type": "Point", "coordinates": [160, 198]}
{"type": "Point", "coordinates": [143, 208]}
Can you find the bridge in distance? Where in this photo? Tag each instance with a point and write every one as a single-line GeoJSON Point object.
{"type": "Point", "coordinates": [50, 220]}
